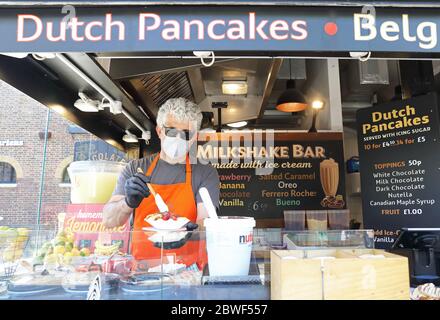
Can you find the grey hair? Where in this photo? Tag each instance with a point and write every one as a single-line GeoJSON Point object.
{"type": "Point", "coordinates": [182, 109]}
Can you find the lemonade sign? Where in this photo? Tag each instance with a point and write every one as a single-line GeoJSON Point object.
{"type": "Point", "coordinates": [84, 221]}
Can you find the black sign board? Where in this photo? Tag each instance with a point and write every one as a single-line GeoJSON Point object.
{"type": "Point", "coordinates": [400, 166]}
{"type": "Point", "coordinates": [302, 167]}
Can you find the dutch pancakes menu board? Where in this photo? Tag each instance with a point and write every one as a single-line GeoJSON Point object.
{"type": "Point", "coordinates": [400, 166]}
{"type": "Point", "coordinates": [262, 174]}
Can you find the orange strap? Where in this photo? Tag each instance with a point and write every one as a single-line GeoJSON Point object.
{"type": "Point", "coordinates": [188, 168]}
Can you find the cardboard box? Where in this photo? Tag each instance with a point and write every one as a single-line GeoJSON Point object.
{"type": "Point", "coordinates": [338, 275]}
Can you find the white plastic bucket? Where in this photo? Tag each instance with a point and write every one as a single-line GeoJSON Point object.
{"type": "Point", "coordinates": [93, 182]}
{"type": "Point", "coordinates": [229, 245]}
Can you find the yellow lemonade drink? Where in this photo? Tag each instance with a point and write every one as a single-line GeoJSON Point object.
{"type": "Point", "coordinates": [93, 182]}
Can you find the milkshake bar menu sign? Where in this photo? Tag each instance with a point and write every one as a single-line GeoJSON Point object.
{"type": "Point", "coordinates": [263, 174]}
{"type": "Point", "coordinates": [400, 166]}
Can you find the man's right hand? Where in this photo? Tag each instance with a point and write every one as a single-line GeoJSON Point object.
{"type": "Point", "coordinates": [136, 189]}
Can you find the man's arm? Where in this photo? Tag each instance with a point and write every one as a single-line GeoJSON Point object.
{"type": "Point", "coordinates": [131, 189]}
{"type": "Point", "coordinates": [116, 212]}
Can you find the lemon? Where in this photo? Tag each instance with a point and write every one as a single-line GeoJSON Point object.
{"type": "Point", "coordinates": [68, 257]}
{"type": "Point", "coordinates": [59, 238]}
{"type": "Point", "coordinates": [50, 258]}
{"type": "Point", "coordinates": [75, 252]}
{"type": "Point", "coordinates": [69, 246]}
{"type": "Point", "coordinates": [70, 237]}
{"type": "Point", "coordinates": [62, 234]}
{"type": "Point", "coordinates": [59, 249]}
{"type": "Point", "coordinates": [60, 243]}
{"type": "Point", "coordinates": [84, 252]}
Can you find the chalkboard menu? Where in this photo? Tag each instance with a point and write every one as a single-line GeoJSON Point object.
{"type": "Point", "coordinates": [262, 175]}
{"type": "Point", "coordinates": [400, 166]}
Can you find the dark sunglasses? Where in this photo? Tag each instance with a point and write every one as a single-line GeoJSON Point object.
{"type": "Point", "coordinates": [183, 134]}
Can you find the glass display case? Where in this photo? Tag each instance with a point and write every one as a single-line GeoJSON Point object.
{"type": "Point", "coordinates": [46, 264]}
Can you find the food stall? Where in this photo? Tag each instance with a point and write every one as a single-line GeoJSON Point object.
{"type": "Point", "coordinates": [65, 272]}
{"type": "Point", "coordinates": [319, 156]}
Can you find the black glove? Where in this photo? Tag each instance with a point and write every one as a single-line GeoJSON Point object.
{"type": "Point", "coordinates": [136, 189]}
{"type": "Point", "coordinates": [174, 244]}
{"type": "Point", "coordinates": [190, 226]}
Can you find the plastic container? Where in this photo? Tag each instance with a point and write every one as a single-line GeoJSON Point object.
{"type": "Point", "coordinates": [339, 219]}
{"type": "Point", "coordinates": [93, 182]}
{"type": "Point", "coordinates": [317, 220]}
{"type": "Point", "coordinates": [294, 219]}
{"type": "Point", "coordinates": [229, 245]}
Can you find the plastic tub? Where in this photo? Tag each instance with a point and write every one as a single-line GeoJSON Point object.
{"type": "Point", "coordinates": [229, 245]}
{"type": "Point", "coordinates": [339, 219]}
{"type": "Point", "coordinates": [93, 182]}
{"type": "Point", "coordinates": [317, 220]}
{"type": "Point", "coordinates": [294, 219]}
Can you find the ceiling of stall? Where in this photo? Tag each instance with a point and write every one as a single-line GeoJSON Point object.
{"type": "Point", "coordinates": [152, 81]}
{"type": "Point", "coordinates": [161, 87]}
{"type": "Point", "coordinates": [144, 84]}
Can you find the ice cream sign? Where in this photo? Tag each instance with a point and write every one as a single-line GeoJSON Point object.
{"type": "Point", "coordinates": [283, 171]}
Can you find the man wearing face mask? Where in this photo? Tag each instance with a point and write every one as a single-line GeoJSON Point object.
{"type": "Point", "coordinates": [172, 176]}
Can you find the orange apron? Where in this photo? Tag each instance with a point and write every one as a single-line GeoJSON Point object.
{"type": "Point", "coordinates": [180, 200]}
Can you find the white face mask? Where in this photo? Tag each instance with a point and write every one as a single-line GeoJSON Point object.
{"type": "Point", "coordinates": [175, 147]}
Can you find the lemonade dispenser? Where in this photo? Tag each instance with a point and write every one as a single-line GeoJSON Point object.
{"type": "Point", "coordinates": [93, 182]}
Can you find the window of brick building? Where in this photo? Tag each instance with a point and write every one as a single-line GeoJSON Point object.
{"type": "Point", "coordinates": [7, 174]}
{"type": "Point", "coordinates": [65, 180]}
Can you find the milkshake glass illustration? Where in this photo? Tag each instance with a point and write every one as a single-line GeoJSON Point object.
{"type": "Point", "coordinates": [329, 174]}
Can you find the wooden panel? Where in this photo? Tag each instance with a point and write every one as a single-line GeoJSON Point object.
{"type": "Point", "coordinates": [366, 279]}
{"type": "Point", "coordinates": [295, 279]}
{"type": "Point", "coordinates": [347, 277]}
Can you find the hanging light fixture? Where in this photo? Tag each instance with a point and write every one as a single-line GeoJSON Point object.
{"type": "Point", "coordinates": [129, 137]}
{"type": "Point", "coordinates": [291, 100]}
{"type": "Point", "coordinates": [317, 106]}
{"type": "Point", "coordinates": [238, 124]}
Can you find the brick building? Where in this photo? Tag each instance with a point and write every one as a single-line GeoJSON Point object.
{"type": "Point", "coordinates": [22, 139]}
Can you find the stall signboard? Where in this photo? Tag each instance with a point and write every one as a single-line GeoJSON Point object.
{"type": "Point", "coordinates": [226, 28]}
{"type": "Point", "coordinates": [97, 150]}
{"type": "Point", "coordinates": [400, 166]}
{"type": "Point", "coordinates": [263, 173]}
{"type": "Point", "coordinates": [85, 221]}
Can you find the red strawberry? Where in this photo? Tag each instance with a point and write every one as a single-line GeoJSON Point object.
{"type": "Point", "coordinates": [174, 217]}
{"type": "Point", "coordinates": [166, 216]}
